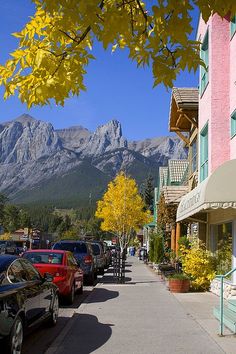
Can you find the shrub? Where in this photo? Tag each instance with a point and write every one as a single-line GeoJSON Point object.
{"type": "Point", "coordinates": [224, 257]}
{"type": "Point", "coordinates": [156, 251]}
{"type": "Point", "coordinates": [199, 265]}
{"type": "Point", "coordinates": [184, 242]}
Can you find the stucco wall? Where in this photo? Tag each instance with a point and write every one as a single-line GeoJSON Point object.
{"type": "Point", "coordinates": [214, 104]}
{"type": "Point", "coordinates": [219, 74]}
{"type": "Point", "coordinates": [233, 89]}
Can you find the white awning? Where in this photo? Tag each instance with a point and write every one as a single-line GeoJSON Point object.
{"type": "Point", "coordinates": [216, 191]}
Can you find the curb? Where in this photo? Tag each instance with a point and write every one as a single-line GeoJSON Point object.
{"type": "Point", "coordinates": [57, 343]}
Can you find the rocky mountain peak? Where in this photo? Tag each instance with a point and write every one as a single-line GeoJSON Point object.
{"type": "Point", "coordinates": [107, 137]}
{"type": "Point", "coordinates": [27, 139]}
{"type": "Point", "coordinates": [25, 118]}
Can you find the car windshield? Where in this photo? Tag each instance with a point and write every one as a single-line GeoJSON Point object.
{"type": "Point", "coordinates": [44, 257]}
{"type": "Point", "coordinates": [72, 247]}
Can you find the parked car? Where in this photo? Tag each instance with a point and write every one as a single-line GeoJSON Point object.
{"type": "Point", "coordinates": [82, 251]}
{"type": "Point", "coordinates": [3, 244]}
{"type": "Point", "coordinates": [99, 257]}
{"type": "Point", "coordinates": [26, 298]}
{"type": "Point", "coordinates": [67, 274]}
{"type": "Point", "coordinates": [11, 247]}
{"type": "Point", "coordinates": [108, 255]}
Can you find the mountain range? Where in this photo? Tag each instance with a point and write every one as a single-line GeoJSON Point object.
{"type": "Point", "coordinates": [71, 167]}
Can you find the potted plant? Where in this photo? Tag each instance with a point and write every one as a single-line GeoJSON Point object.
{"type": "Point", "coordinates": [179, 283]}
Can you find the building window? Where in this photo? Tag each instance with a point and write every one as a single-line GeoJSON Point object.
{"type": "Point", "coordinates": [233, 26]}
{"type": "Point", "coordinates": [204, 153]}
{"type": "Point", "coordinates": [194, 156]}
{"type": "Point", "coordinates": [233, 124]}
{"type": "Point", "coordinates": [204, 54]}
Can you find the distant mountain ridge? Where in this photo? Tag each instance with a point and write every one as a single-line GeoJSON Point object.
{"type": "Point", "coordinates": [64, 166]}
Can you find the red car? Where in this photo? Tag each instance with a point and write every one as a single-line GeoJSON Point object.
{"type": "Point", "coordinates": [63, 266]}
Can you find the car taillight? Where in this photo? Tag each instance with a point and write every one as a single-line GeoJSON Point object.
{"type": "Point", "coordinates": [88, 259]}
{"type": "Point", "coordinates": [61, 272]}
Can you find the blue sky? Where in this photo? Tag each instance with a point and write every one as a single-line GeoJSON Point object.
{"type": "Point", "coordinates": [116, 89]}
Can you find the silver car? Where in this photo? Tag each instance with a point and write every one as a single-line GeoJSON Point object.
{"type": "Point", "coordinates": [99, 257]}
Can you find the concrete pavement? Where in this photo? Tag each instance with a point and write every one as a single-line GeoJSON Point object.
{"type": "Point", "coordinates": [140, 317]}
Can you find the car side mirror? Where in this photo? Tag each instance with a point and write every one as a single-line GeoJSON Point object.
{"type": "Point", "coordinates": [48, 277]}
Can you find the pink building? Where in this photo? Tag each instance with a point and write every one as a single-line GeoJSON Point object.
{"type": "Point", "coordinates": [212, 204]}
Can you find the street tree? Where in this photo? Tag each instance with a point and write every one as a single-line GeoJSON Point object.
{"type": "Point", "coordinates": [148, 192]}
{"type": "Point", "coordinates": [3, 200]}
{"type": "Point", "coordinates": [122, 210]}
{"type": "Point", "coordinates": [55, 46]}
{"type": "Point", "coordinates": [11, 221]}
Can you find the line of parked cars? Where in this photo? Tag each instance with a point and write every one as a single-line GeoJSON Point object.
{"type": "Point", "coordinates": [32, 285]}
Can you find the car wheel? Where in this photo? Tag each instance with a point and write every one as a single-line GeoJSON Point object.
{"type": "Point", "coordinates": [101, 271]}
{"type": "Point", "coordinates": [71, 296]}
{"type": "Point", "coordinates": [54, 311]}
{"type": "Point", "coordinates": [15, 340]}
{"type": "Point", "coordinates": [91, 279]}
{"type": "Point", "coordinates": [81, 289]}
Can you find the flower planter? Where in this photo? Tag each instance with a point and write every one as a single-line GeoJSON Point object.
{"type": "Point", "coordinates": [179, 285]}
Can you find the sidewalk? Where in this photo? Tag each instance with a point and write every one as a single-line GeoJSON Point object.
{"type": "Point", "coordinates": [142, 317]}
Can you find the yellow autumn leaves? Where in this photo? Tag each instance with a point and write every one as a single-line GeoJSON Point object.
{"type": "Point", "coordinates": [55, 45]}
{"type": "Point", "coordinates": [122, 208]}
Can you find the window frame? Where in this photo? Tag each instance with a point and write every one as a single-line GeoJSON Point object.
{"type": "Point", "coordinates": [233, 124]}
{"type": "Point", "coordinates": [204, 153]}
{"type": "Point", "coordinates": [232, 26]}
{"type": "Point", "coordinates": [204, 55]}
{"type": "Point", "coordinates": [194, 156]}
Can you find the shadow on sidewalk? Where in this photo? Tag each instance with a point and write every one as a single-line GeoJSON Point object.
{"type": "Point", "coordinates": [101, 295]}
{"type": "Point", "coordinates": [87, 334]}
{"type": "Point", "coordinates": [111, 270]}
{"type": "Point", "coordinates": [110, 279]}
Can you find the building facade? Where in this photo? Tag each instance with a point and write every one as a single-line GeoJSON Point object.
{"type": "Point", "coordinates": [212, 203]}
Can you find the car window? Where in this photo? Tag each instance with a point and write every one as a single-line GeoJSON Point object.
{"type": "Point", "coordinates": [16, 273]}
{"type": "Point", "coordinates": [70, 246]}
{"type": "Point", "coordinates": [31, 272]}
{"type": "Point", "coordinates": [44, 257]}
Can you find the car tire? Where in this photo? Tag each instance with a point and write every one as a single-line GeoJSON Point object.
{"type": "Point", "coordinates": [71, 297]}
{"type": "Point", "coordinates": [91, 279]}
{"type": "Point", "coordinates": [54, 312]}
{"type": "Point", "coordinates": [15, 339]}
{"type": "Point", "coordinates": [101, 271]}
{"type": "Point", "coordinates": [81, 289]}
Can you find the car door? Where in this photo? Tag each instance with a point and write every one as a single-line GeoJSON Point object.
{"type": "Point", "coordinates": [29, 290]}
{"type": "Point", "coordinates": [41, 287]}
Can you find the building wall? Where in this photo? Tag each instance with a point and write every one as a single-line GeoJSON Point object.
{"type": "Point", "coordinates": [217, 99]}
{"type": "Point", "coordinates": [204, 108]}
{"type": "Point", "coordinates": [233, 90]}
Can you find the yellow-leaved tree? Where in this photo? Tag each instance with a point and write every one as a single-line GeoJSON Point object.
{"type": "Point", "coordinates": [122, 209]}
{"type": "Point", "coordinates": [55, 46]}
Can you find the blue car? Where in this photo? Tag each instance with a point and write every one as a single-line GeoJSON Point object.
{"type": "Point", "coordinates": [82, 251]}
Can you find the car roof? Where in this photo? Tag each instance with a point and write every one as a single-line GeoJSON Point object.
{"type": "Point", "coordinates": [46, 251]}
{"type": "Point", "coordinates": [70, 241]}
